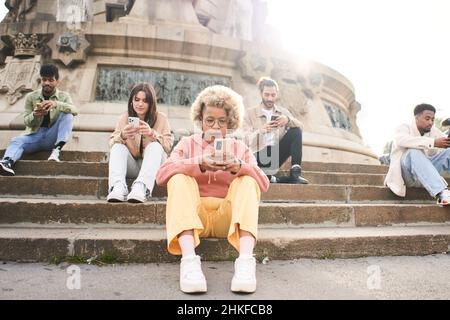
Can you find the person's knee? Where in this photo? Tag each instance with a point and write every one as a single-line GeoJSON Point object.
{"type": "Point", "coordinates": [154, 147]}
{"type": "Point", "coordinates": [66, 117]}
{"type": "Point", "coordinates": [18, 139]}
{"type": "Point", "coordinates": [245, 182]}
{"type": "Point", "coordinates": [414, 154]}
{"type": "Point", "coordinates": [295, 134]}
{"type": "Point", "coordinates": [119, 147]}
{"type": "Point", "coordinates": [179, 178]}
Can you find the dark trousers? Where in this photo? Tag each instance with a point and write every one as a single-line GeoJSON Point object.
{"type": "Point", "coordinates": [271, 158]}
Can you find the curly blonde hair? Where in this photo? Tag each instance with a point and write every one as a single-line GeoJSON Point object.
{"type": "Point", "coordinates": [220, 97]}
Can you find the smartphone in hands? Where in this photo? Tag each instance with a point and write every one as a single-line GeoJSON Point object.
{"type": "Point", "coordinates": [39, 107]}
{"type": "Point", "coordinates": [134, 121]}
{"type": "Point", "coordinates": [222, 150]}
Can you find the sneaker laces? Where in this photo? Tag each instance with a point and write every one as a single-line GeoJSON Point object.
{"type": "Point", "coordinates": [191, 268]}
{"type": "Point", "coordinates": [139, 187]}
{"type": "Point", "coordinates": [245, 268]}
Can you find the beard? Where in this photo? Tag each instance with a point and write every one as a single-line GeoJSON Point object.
{"type": "Point", "coordinates": [268, 104]}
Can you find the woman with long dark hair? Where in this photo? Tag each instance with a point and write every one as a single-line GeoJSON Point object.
{"type": "Point", "coordinates": [138, 148]}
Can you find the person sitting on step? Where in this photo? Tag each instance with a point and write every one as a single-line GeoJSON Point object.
{"type": "Point", "coordinates": [214, 189]}
{"type": "Point", "coordinates": [420, 154]}
{"type": "Point", "coordinates": [139, 145]}
{"type": "Point", "coordinates": [275, 135]}
{"type": "Point", "coordinates": [48, 118]}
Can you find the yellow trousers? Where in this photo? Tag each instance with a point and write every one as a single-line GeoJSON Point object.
{"type": "Point", "coordinates": [211, 217]}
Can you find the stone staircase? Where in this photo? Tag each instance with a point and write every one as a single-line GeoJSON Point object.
{"type": "Point", "coordinates": [57, 211]}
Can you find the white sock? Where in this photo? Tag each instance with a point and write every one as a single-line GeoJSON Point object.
{"type": "Point", "coordinates": [187, 245]}
{"type": "Point", "coordinates": [246, 246]}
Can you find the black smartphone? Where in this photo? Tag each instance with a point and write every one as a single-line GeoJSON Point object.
{"type": "Point", "coordinates": [274, 118]}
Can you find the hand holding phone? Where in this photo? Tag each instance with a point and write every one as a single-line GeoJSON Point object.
{"type": "Point", "coordinates": [134, 121]}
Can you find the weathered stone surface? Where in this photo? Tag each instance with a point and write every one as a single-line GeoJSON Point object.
{"type": "Point", "coordinates": [143, 246]}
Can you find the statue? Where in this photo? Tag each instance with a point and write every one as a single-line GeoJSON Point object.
{"type": "Point", "coordinates": [162, 90]}
{"type": "Point", "coordinates": [238, 23]}
{"type": "Point", "coordinates": [18, 9]}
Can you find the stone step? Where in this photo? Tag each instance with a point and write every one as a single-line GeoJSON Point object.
{"type": "Point", "coordinates": [96, 188]}
{"type": "Point", "coordinates": [81, 212]}
{"type": "Point", "coordinates": [70, 156]}
{"type": "Point", "coordinates": [75, 156]}
{"type": "Point", "coordinates": [95, 169]}
{"type": "Point", "coordinates": [39, 168]}
{"type": "Point", "coordinates": [148, 245]}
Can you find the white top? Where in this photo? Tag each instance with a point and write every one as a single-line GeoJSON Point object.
{"type": "Point", "coordinates": [269, 137]}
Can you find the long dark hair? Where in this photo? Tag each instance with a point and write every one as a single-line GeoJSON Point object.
{"type": "Point", "coordinates": [150, 95]}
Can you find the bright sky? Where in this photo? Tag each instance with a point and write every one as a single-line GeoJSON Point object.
{"type": "Point", "coordinates": [395, 52]}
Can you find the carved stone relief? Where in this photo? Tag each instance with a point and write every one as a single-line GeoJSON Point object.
{"type": "Point", "coordinates": [69, 47]}
{"type": "Point", "coordinates": [173, 88]}
{"type": "Point", "coordinates": [25, 45]}
{"type": "Point", "coordinates": [339, 119]}
{"type": "Point", "coordinates": [18, 9]}
{"type": "Point", "coordinates": [253, 66]}
{"type": "Point", "coordinates": [19, 76]}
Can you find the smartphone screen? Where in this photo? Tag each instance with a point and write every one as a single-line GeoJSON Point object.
{"type": "Point", "coordinates": [274, 118]}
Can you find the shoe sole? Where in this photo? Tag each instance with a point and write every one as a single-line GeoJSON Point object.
{"type": "Point", "coordinates": [114, 200]}
{"type": "Point", "coordinates": [6, 173]}
{"type": "Point", "coordinates": [193, 288]}
{"type": "Point", "coordinates": [243, 287]}
{"type": "Point", "coordinates": [134, 200]}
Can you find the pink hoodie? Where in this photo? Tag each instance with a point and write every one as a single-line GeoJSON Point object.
{"type": "Point", "coordinates": [185, 160]}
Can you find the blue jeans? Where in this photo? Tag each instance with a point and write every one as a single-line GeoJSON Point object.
{"type": "Point", "coordinates": [45, 139]}
{"type": "Point", "coordinates": [418, 170]}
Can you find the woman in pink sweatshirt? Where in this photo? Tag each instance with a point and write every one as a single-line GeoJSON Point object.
{"type": "Point", "coordinates": [213, 195]}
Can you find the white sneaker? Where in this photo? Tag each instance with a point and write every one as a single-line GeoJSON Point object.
{"type": "Point", "coordinates": [118, 193]}
{"type": "Point", "coordinates": [55, 155]}
{"type": "Point", "coordinates": [244, 279]}
{"type": "Point", "coordinates": [192, 279]}
{"type": "Point", "coordinates": [138, 193]}
{"type": "Point", "coordinates": [443, 198]}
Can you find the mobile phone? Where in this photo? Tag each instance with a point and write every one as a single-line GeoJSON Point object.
{"type": "Point", "coordinates": [134, 121]}
{"type": "Point", "coordinates": [38, 106]}
{"type": "Point", "coordinates": [222, 149]}
{"type": "Point", "coordinates": [274, 118]}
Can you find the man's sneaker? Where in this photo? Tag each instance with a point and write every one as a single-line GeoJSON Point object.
{"type": "Point", "coordinates": [6, 168]}
{"type": "Point", "coordinates": [244, 279]}
{"type": "Point", "coordinates": [55, 155]}
{"type": "Point", "coordinates": [192, 279]}
{"type": "Point", "coordinates": [138, 193]}
{"type": "Point", "coordinates": [118, 193]}
{"type": "Point", "coordinates": [294, 176]}
{"type": "Point", "coordinates": [272, 179]}
{"type": "Point", "coordinates": [443, 198]}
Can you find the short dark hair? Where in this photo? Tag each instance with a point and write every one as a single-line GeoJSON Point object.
{"type": "Point", "coordinates": [49, 70]}
{"type": "Point", "coordinates": [267, 82]}
{"type": "Point", "coordinates": [423, 107]}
